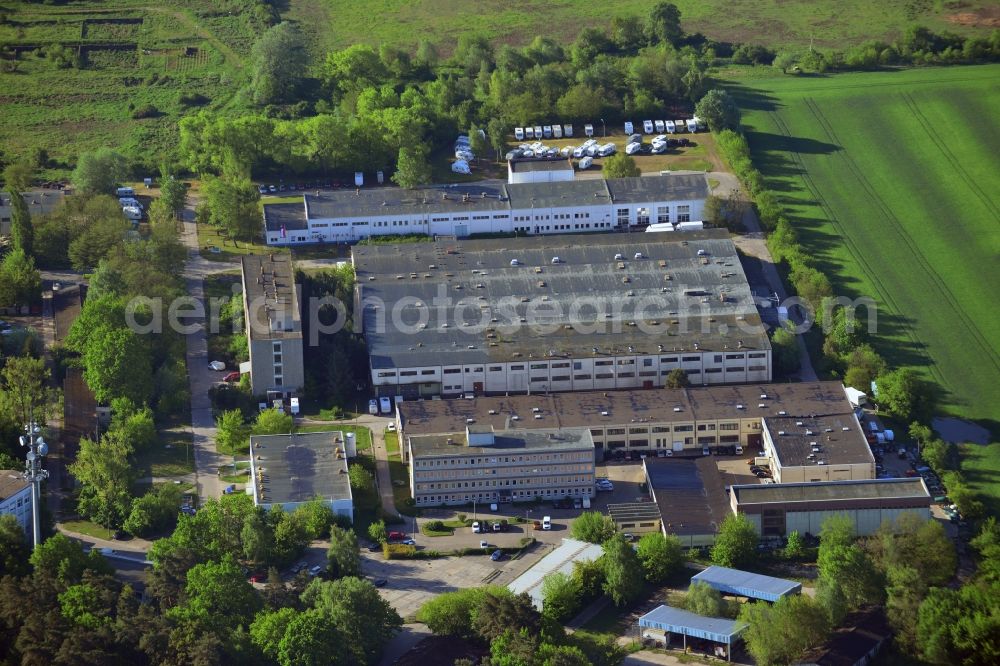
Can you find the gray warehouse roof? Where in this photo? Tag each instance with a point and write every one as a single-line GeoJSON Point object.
{"type": "Point", "coordinates": [384, 201]}
{"type": "Point", "coordinates": [672, 187]}
{"type": "Point", "coordinates": [828, 435]}
{"type": "Point", "coordinates": [300, 467]}
{"type": "Point", "coordinates": [678, 621]}
{"type": "Point", "coordinates": [563, 296]}
{"type": "Point", "coordinates": [791, 493]}
{"type": "Point", "coordinates": [587, 408]}
{"type": "Point", "coordinates": [688, 494]}
{"type": "Point", "coordinates": [559, 560]}
{"type": "Point", "coordinates": [746, 584]}
{"type": "Point", "coordinates": [290, 216]}
{"type": "Point", "coordinates": [504, 440]}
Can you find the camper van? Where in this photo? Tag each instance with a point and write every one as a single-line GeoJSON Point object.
{"type": "Point", "coordinates": [659, 126]}
{"type": "Point", "coordinates": [633, 148]}
{"type": "Point", "coordinates": [669, 126]}
{"type": "Point", "coordinates": [547, 131]}
{"type": "Point", "coordinates": [519, 133]}
{"type": "Point", "coordinates": [692, 125]}
{"type": "Point", "coordinates": [647, 126]}
{"type": "Point", "coordinates": [124, 192]}
{"type": "Point", "coordinates": [538, 132]}
{"type": "Point", "coordinates": [359, 178]}
{"type": "Point", "coordinates": [588, 129]}
{"type": "Point", "coordinates": [132, 213]}
{"type": "Point", "coordinates": [461, 166]}
{"type": "Point", "coordinates": [606, 150]}
{"type": "Point", "coordinates": [629, 128]}
{"type": "Point", "coordinates": [557, 131]}
{"type": "Point", "coordinates": [568, 131]}
{"type": "Point", "coordinates": [529, 132]}
{"type": "Point", "coordinates": [586, 163]}
{"type": "Point", "coordinates": [373, 406]}
{"type": "Point", "coordinates": [130, 201]}
{"type": "Point", "coordinates": [679, 125]}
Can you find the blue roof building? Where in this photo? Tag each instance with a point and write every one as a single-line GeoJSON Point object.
{"type": "Point", "coordinates": [665, 620]}
{"type": "Point", "coordinates": [746, 584]}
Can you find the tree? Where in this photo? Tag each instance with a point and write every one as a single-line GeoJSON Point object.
{"type": "Point", "coordinates": [106, 474]}
{"type": "Point", "coordinates": [905, 395]}
{"type": "Point", "coordinates": [28, 399]}
{"type": "Point", "coordinates": [719, 110]}
{"type": "Point", "coordinates": [377, 532]}
{"type": "Point", "coordinates": [319, 517]}
{"type": "Point", "coordinates": [20, 281]}
{"type": "Point", "coordinates": [863, 365]}
{"type": "Point", "coordinates": [847, 578]}
{"type": "Point", "coordinates": [620, 165]}
{"type": "Point", "coordinates": [361, 479]}
{"type": "Point", "coordinates": [498, 613]}
{"type": "Point", "coordinates": [342, 557]}
{"type": "Point", "coordinates": [22, 233]}
{"type": "Point", "coordinates": [269, 628]}
{"type": "Point", "coordinates": [786, 351]}
{"type": "Point", "coordinates": [496, 132]}
{"type": "Point", "coordinates": [99, 171]}
{"type": "Point", "coordinates": [279, 63]}
{"type": "Point", "coordinates": [904, 593]}
{"type": "Point", "coordinates": [233, 206]}
{"type": "Point", "coordinates": [782, 632]}
{"type": "Point", "coordinates": [514, 648]}
{"type": "Point", "coordinates": [677, 379]}
{"type": "Point", "coordinates": [664, 23]}
{"type": "Point", "coordinates": [273, 422]}
{"type": "Point", "coordinates": [450, 614]}
{"type": "Point", "coordinates": [63, 558]}
{"type": "Point", "coordinates": [312, 638]}
{"type": "Point", "coordinates": [218, 597]}
{"type": "Point", "coordinates": [627, 33]}
{"type": "Point", "coordinates": [117, 363]}
{"type": "Point", "coordinates": [661, 556]}
{"type": "Point", "coordinates": [913, 542]}
{"type": "Point", "coordinates": [156, 510]}
{"type": "Point", "coordinates": [412, 168]}
{"type": "Point", "coordinates": [592, 526]}
{"type": "Point", "coordinates": [704, 599]}
{"type": "Point", "coordinates": [960, 626]}
{"type": "Point", "coordinates": [560, 596]}
{"type": "Point", "coordinates": [172, 191]}
{"type": "Point", "coordinates": [232, 434]}
{"type": "Point", "coordinates": [17, 176]}
{"type": "Point", "coordinates": [796, 545]}
{"type": "Point", "coordinates": [623, 579]}
{"type": "Point", "coordinates": [784, 61]}
{"type": "Point", "coordinates": [357, 608]}
{"type": "Point", "coordinates": [14, 550]}
{"type": "Point", "coordinates": [736, 544]}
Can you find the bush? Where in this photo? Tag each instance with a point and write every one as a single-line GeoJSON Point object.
{"type": "Point", "coordinates": [435, 526]}
{"type": "Point", "coordinates": [398, 551]}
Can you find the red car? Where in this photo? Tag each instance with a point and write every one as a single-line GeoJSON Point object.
{"type": "Point", "coordinates": [232, 377]}
{"type": "Point", "coordinates": [396, 536]}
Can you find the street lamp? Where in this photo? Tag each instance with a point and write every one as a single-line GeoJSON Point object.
{"type": "Point", "coordinates": [604, 128]}
{"type": "Point", "coordinates": [34, 473]}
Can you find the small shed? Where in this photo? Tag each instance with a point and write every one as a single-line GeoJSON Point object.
{"type": "Point", "coordinates": [747, 584]}
{"type": "Point", "coordinates": [661, 622]}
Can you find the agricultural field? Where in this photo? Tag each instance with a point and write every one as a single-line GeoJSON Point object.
{"type": "Point", "coordinates": [891, 179]}
{"type": "Point", "coordinates": [793, 23]}
{"type": "Point", "coordinates": [117, 74]}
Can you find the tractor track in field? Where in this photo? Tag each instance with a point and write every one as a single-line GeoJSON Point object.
{"type": "Point", "coordinates": [890, 217]}
{"type": "Point", "coordinates": [956, 164]}
{"type": "Point", "coordinates": [845, 236]}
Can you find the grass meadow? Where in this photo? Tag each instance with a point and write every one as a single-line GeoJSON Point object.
{"type": "Point", "coordinates": [891, 181]}
{"type": "Point", "coordinates": [826, 23]}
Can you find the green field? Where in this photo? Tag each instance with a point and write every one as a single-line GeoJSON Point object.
{"type": "Point", "coordinates": [825, 23]}
{"type": "Point", "coordinates": [891, 179]}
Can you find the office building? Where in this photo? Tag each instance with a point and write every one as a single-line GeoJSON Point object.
{"type": "Point", "coordinates": [273, 324]}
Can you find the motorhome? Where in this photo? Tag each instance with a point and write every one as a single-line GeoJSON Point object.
{"type": "Point", "coordinates": [519, 133]}
{"type": "Point", "coordinates": [647, 126]}
{"type": "Point", "coordinates": [606, 150]}
{"type": "Point", "coordinates": [557, 131]}
{"type": "Point", "coordinates": [125, 192]}
{"type": "Point", "coordinates": [385, 405]}
{"type": "Point", "coordinates": [461, 166]}
{"type": "Point", "coordinates": [588, 129]}
{"type": "Point", "coordinates": [633, 148]}
{"type": "Point", "coordinates": [692, 125]}
{"type": "Point", "coordinates": [586, 163]}
{"type": "Point", "coordinates": [130, 201]}
{"type": "Point", "coordinates": [568, 131]}
{"type": "Point", "coordinates": [132, 213]}
{"type": "Point", "coordinates": [578, 151]}
{"type": "Point", "coordinates": [547, 131]}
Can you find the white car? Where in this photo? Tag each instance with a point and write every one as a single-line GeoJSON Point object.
{"type": "Point", "coordinates": [461, 166]}
{"type": "Point", "coordinates": [476, 527]}
{"type": "Point", "coordinates": [391, 427]}
{"type": "Point", "coordinates": [218, 366]}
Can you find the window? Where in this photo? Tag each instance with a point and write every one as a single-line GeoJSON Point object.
{"type": "Point", "coordinates": [517, 368]}
{"type": "Point", "coordinates": [662, 214]}
{"type": "Point", "coordinates": [647, 362]}
{"type": "Point", "coordinates": [757, 354]}
{"type": "Point", "coordinates": [539, 366]}
{"type": "Point", "coordinates": [408, 373]}
{"type": "Point", "coordinates": [577, 365]}
{"type": "Point", "coordinates": [684, 213]}
{"type": "Point", "coordinates": [496, 368]}
{"type": "Point", "coordinates": [642, 216]}
{"type": "Point", "coordinates": [581, 376]}
{"type": "Point", "coordinates": [729, 426]}
{"type": "Point", "coordinates": [452, 371]}
{"type": "Point", "coordinates": [427, 372]}
{"type": "Point", "coordinates": [277, 380]}
{"type": "Point", "coordinates": [623, 216]}
{"type": "Point", "coordinates": [691, 359]}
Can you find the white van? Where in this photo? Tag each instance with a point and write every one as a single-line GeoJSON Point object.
{"type": "Point", "coordinates": [373, 406]}
{"type": "Point", "coordinates": [385, 404]}
{"type": "Point", "coordinates": [547, 523]}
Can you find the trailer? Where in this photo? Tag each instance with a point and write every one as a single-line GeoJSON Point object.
{"type": "Point", "coordinates": [660, 125]}
{"type": "Point", "coordinates": [690, 226]}
{"type": "Point", "coordinates": [658, 227]}
{"type": "Point", "coordinates": [538, 132]}
{"type": "Point", "coordinates": [557, 131]}
{"type": "Point", "coordinates": [647, 127]}
{"type": "Point", "coordinates": [585, 163]}
{"type": "Point", "coordinates": [519, 133]}
{"type": "Point", "coordinates": [588, 129]}
{"type": "Point", "coordinates": [633, 148]}
{"type": "Point", "coordinates": [692, 125]}
{"type": "Point", "coordinates": [359, 178]}
{"type": "Point", "coordinates": [547, 131]}
{"type": "Point", "coordinates": [668, 125]}
{"type": "Point", "coordinates": [568, 131]}
{"type": "Point", "coordinates": [679, 125]}
{"type": "Point", "coordinates": [629, 127]}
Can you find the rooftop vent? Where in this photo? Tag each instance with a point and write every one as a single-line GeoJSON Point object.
{"type": "Point", "coordinates": [798, 423]}
{"type": "Point", "coordinates": [619, 257]}
{"type": "Point", "coordinates": [677, 409]}
{"type": "Point", "coordinates": [470, 420]}
{"type": "Point", "coordinates": [781, 432]}
{"type": "Point", "coordinates": [782, 413]}
{"type": "Point", "coordinates": [493, 411]}
{"type": "Point", "coordinates": [739, 406]}
{"type": "Point", "coordinates": [604, 413]}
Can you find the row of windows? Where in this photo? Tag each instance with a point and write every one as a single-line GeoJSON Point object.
{"type": "Point", "coordinates": [551, 468]}
{"type": "Point", "coordinates": [578, 365]}
{"type": "Point", "coordinates": [584, 491]}
{"type": "Point", "coordinates": [495, 460]}
{"type": "Point", "coordinates": [507, 483]}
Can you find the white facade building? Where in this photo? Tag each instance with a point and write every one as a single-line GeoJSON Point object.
{"type": "Point", "coordinates": [15, 498]}
{"type": "Point", "coordinates": [540, 171]}
{"type": "Point", "coordinates": [531, 208]}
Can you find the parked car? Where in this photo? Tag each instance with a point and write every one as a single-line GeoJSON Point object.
{"type": "Point", "coordinates": [218, 366]}
{"type": "Point", "coordinates": [379, 582]}
{"type": "Point", "coordinates": [408, 542]}
{"type": "Point", "coordinates": [476, 527]}
{"type": "Point", "coordinates": [315, 571]}
{"type": "Point", "coordinates": [232, 377]}
{"type": "Point", "coordinates": [496, 526]}
{"type": "Point", "coordinates": [396, 536]}
{"type": "Point", "coordinates": [483, 544]}
{"type": "Point", "coordinates": [391, 427]}
{"type": "Point", "coordinates": [546, 522]}
{"type": "Point", "coordinates": [497, 555]}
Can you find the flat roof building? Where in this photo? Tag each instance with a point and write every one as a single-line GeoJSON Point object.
{"type": "Point", "coordinates": [778, 509]}
{"type": "Point", "coordinates": [559, 560]}
{"type": "Point", "coordinates": [683, 421]}
{"type": "Point", "coordinates": [559, 205]}
{"type": "Point", "coordinates": [822, 445]}
{"type": "Point", "coordinates": [543, 170]}
{"type": "Point", "coordinates": [527, 315]}
{"type": "Point", "coordinates": [273, 324]}
{"type": "Point", "coordinates": [746, 584]}
{"type": "Point", "coordinates": [689, 496]}
{"type": "Point", "coordinates": [487, 466]}
{"type": "Point", "coordinates": [15, 498]}
{"type": "Point", "coordinates": [289, 470]}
